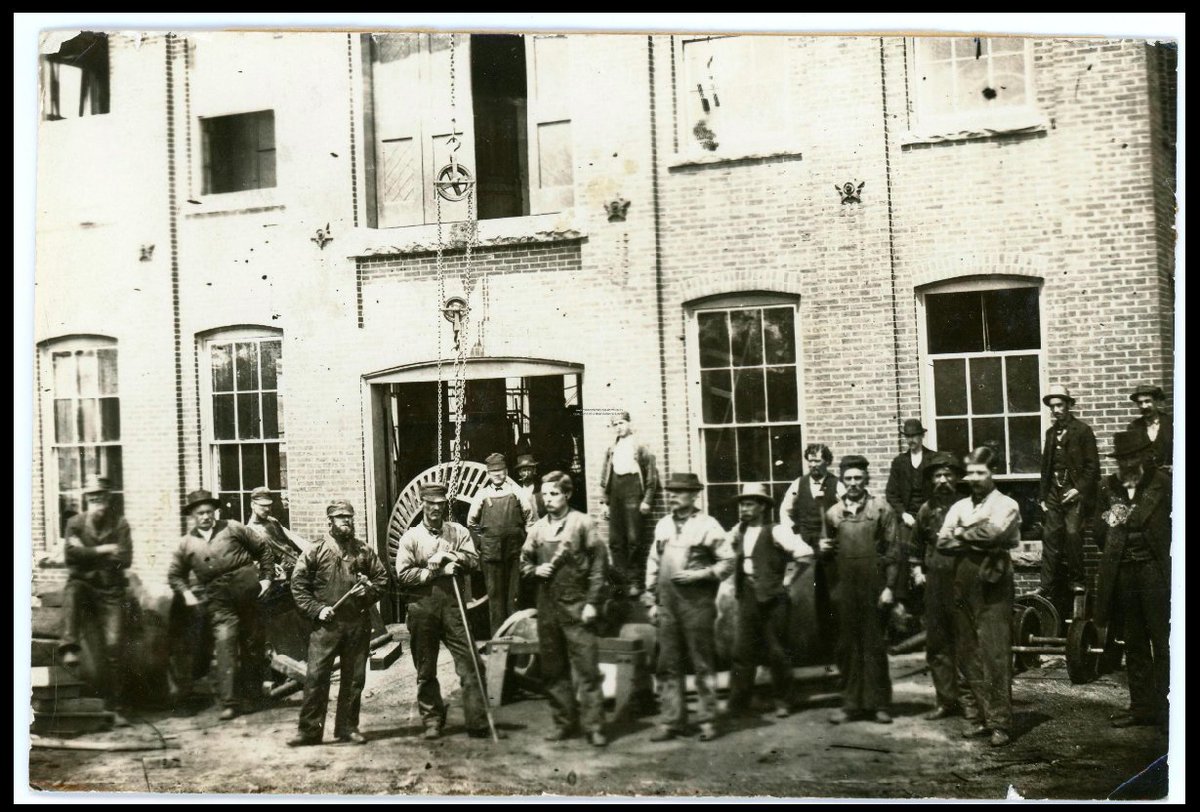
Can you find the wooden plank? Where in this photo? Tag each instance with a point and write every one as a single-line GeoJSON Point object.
{"type": "Point", "coordinates": [387, 655]}
{"type": "Point", "coordinates": [54, 598]}
{"type": "Point", "coordinates": [64, 705]}
{"type": "Point", "coordinates": [52, 676]}
{"type": "Point", "coordinates": [47, 621]}
{"type": "Point", "coordinates": [294, 669]}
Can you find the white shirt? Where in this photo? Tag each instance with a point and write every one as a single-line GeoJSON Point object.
{"type": "Point", "coordinates": [748, 540]}
{"type": "Point", "coordinates": [624, 456]}
{"type": "Point", "coordinates": [206, 534]}
{"type": "Point", "coordinates": [783, 537]}
{"type": "Point", "coordinates": [915, 459]}
{"type": "Point", "coordinates": [1152, 429]}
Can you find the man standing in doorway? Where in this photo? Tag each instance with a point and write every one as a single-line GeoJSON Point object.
{"type": "Point", "coordinates": [428, 556]}
{"type": "Point", "coordinates": [335, 583]}
{"type": "Point", "coordinates": [499, 518]}
{"type": "Point", "coordinates": [906, 489]}
{"type": "Point", "coordinates": [235, 568]}
{"type": "Point", "coordinates": [570, 565]}
{"type": "Point", "coordinates": [1154, 424]}
{"type": "Point", "coordinates": [99, 550]}
{"type": "Point", "coordinates": [689, 557]}
{"type": "Point", "coordinates": [628, 481]}
{"type": "Point", "coordinates": [1070, 476]}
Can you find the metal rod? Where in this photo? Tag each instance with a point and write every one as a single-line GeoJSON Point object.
{"type": "Point", "coordinates": [1037, 650]}
{"type": "Point", "coordinates": [1050, 640]}
{"type": "Point", "coordinates": [487, 706]}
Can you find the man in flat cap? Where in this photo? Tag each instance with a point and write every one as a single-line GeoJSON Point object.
{"type": "Point", "coordinates": [1070, 476]}
{"type": "Point", "coordinates": [428, 556]}
{"type": "Point", "coordinates": [99, 550]}
{"type": "Point", "coordinates": [280, 620]}
{"type": "Point", "coordinates": [499, 517]}
{"type": "Point", "coordinates": [864, 552]}
{"type": "Point", "coordinates": [527, 478]}
{"type": "Point", "coordinates": [335, 583]}
{"type": "Point", "coordinates": [628, 481]}
{"type": "Point", "coordinates": [235, 567]}
{"type": "Point", "coordinates": [689, 557]}
{"type": "Point", "coordinates": [567, 560]}
{"type": "Point", "coordinates": [1154, 424]}
{"type": "Point", "coordinates": [762, 552]}
{"type": "Point", "coordinates": [934, 569]}
{"type": "Point", "coordinates": [1134, 532]}
{"type": "Point", "coordinates": [907, 488]}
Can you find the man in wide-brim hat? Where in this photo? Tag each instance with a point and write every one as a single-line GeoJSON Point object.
{"type": "Point", "coordinates": [1133, 528]}
{"type": "Point", "coordinates": [1154, 424]}
{"type": "Point", "coordinates": [762, 551]}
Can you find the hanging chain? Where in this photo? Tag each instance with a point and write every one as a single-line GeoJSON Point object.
{"type": "Point", "coordinates": [441, 302]}
{"type": "Point", "coordinates": [460, 366]}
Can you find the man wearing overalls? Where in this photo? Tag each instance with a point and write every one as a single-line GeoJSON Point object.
{"type": "Point", "coordinates": [499, 518]}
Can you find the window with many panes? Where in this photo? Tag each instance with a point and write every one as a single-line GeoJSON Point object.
{"type": "Point", "coordinates": [959, 79]}
{"type": "Point", "coordinates": [245, 422]}
{"type": "Point", "coordinates": [749, 407]}
{"type": "Point", "coordinates": [983, 378]}
{"type": "Point", "coordinates": [733, 93]}
{"type": "Point", "coordinates": [84, 417]}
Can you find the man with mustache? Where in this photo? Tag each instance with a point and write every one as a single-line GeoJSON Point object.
{"type": "Point", "coordinates": [1154, 424]}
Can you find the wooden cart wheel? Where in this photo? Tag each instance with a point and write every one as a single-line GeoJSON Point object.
{"type": "Point", "coordinates": [1027, 623]}
{"type": "Point", "coordinates": [1082, 664]}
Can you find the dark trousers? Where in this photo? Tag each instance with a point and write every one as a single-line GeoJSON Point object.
{"type": "Point", "coordinates": [861, 652]}
{"type": "Point", "coordinates": [1062, 547]}
{"type": "Point", "coordinates": [352, 643]}
{"type": "Point", "coordinates": [626, 539]}
{"type": "Point", "coordinates": [761, 631]}
{"type": "Point", "coordinates": [83, 602]}
{"type": "Point", "coordinates": [503, 582]}
{"type": "Point", "coordinates": [234, 617]}
{"type": "Point", "coordinates": [570, 665]}
{"type": "Point", "coordinates": [983, 638]}
{"type": "Point", "coordinates": [949, 684]}
{"type": "Point", "coordinates": [1144, 596]}
{"type": "Point", "coordinates": [433, 619]}
{"type": "Point", "coordinates": [686, 616]}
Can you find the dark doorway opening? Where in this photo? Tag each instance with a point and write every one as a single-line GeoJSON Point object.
{"type": "Point", "coordinates": [498, 87]}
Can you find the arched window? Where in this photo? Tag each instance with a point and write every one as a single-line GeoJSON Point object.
{"type": "Point", "coordinates": [241, 376]}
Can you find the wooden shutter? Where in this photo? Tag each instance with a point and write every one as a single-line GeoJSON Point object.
{"type": "Point", "coordinates": [401, 169]}
{"type": "Point", "coordinates": [551, 151]}
{"type": "Point", "coordinates": [438, 115]}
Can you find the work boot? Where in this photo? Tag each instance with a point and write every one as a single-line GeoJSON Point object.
{"type": "Point", "coordinates": [303, 741]}
{"type": "Point", "coordinates": [597, 739]}
{"type": "Point", "coordinates": [940, 712]}
{"type": "Point", "coordinates": [883, 717]}
{"type": "Point", "coordinates": [839, 717]}
{"type": "Point", "coordinates": [227, 714]}
{"type": "Point", "coordinates": [708, 731]}
{"type": "Point", "coordinates": [353, 737]}
{"type": "Point", "coordinates": [974, 731]}
{"type": "Point", "coordinates": [663, 734]}
{"type": "Point", "coordinates": [999, 738]}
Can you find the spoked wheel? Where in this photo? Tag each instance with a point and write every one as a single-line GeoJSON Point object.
{"type": "Point", "coordinates": [1083, 645]}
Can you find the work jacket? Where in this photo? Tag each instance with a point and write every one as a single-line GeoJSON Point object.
{"type": "Point", "coordinates": [579, 557]}
{"type": "Point", "coordinates": [327, 571]}
{"type": "Point", "coordinates": [1120, 519]}
{"type": "Point", "coordinates": [232, 547]}
{"type": "Point", "coordinates": [1081, 460]}
{"type": "Point", "coordinates": [420, 543]}
{"type": "Point", "coordinates": [905, 485]}
{"type": "Point", "coordinates": [84, 534]}
{"type": "Point", "coordinates": [1161, 446]}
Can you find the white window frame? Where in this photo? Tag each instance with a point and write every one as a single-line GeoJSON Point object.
{"type": "Point", "coordinates": [725, 303]}
{"type": "Point", "coordinates": [928, 405]}
{"type": "Point", "coordinates": [978, 123]}
{"type": "Point", "coordinates": [210, 458]}
{"type": "Point", "coordinates": [50, 472]}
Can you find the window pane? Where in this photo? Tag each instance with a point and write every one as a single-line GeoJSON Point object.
{"type": "Point", "coordinates": [972, 79]}
{"type": "Point", "coordinates": [719, 499]}
{"type": "Point", "coordinates": [779, 329]}
{"type": "Point", "coordinates": [967, 47]}
{"type": "Point", "coordinates": [222, 368]}
{"type": "Point", "coordinates": [229, 467]}
{"type": "Point", "coordinates": [110, 419]}
{"type": "Point", "coordinates": [272, 364]}
{"type": "Point", "coordinates": [954, 322]}
{"type": "Point", "coordinates": [714, 339]}
{"type": "Point", "coordinates": [716, 396]}
{"type": "Point", "coordinates": [781, 394]}
{"type": "Point", "coordinates": [64, 421]}
{"type": "Point", "coordinates": [554, 154]}
{"type": "Point", "coordinates": [89, 419]}
{"type": "Point", "coordinates": [754, 455]}
{"type": "Point", "coordinates": [933, 47]}
{"type": "Point", "coordinates": [108, 371]}
{"type": "Point", "coordinates": [249, 419]}
{"type": "Point", "coordinates": [91, 461]}
{"type": "Point", "coordinates": [1022, 372]}
{"type": "Point", "coordinates": [65, 384]}
{"type": "Point", "coordinates": [254, 472]}
{"type": "Point", "coordinates": [223, 417]}
{"type": "Point", "coordinates": [274, 465]}
{"type": "Point", "coordinates": [69, 475]}
{"type": "Point", "coordinates": [936, 91]}
{"type": "Point", "coordinates": [1012, 319]}
{"type": "Point", "coordinates": [990, 431]}
{"type": "Point", "coordinates": [952, 437]}
{"type": "Point", "coordinates": [748, 397]}
{"type": "Point", "coordinates": [1006, 45]}
{"type": "Point", "coordinates": [950, 386]}
{"type": "Point", "coordinates": [247, 366]}
{"type": "Point", "coordinates": [89, 373]}
{"type": "Point", "coordinates": [283, 480]}
{"type": "Point", "coordinates": [987, 392]}
{"type": "Point", "coordinates": [720, 455]}
{"type": "Point", "coordinates": [231, 503]}
{"type": "Point", "coordinates": [1008, 79]}
{"type": "Point", "coordinates": [786, 449]}
{"type": "Point", "coordinates": [1026, 494]}
{"type": "Point", "coordinates": [746, 327]}
{"type": "Point", "coordinates": [111, 466]}
{"type": "Point", "coordinates": [270, 415]}
{"type": "Point", "coordinates": [1025, 439]}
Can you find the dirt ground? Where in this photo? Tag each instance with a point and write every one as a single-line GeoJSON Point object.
{"type": "Point", "coordinates": [1063, 748]}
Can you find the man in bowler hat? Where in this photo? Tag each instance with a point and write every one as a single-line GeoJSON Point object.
{"type": "Point", "coordinates": [1153, 423]}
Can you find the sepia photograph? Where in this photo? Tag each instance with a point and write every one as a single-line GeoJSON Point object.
{"type": "Point", "coordinates": [528, 407]}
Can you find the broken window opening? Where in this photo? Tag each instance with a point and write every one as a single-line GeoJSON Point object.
{"type": "Point", "coordinates": [75, 76]}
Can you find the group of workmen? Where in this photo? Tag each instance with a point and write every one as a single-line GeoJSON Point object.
{"type": "Point", "coordinates": [869, 551]}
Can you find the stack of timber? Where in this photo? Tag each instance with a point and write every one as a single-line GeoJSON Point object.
{"type": "Point", "coordinates": [60, 709]}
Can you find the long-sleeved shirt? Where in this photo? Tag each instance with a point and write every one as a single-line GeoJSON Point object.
{"type": "Point", "coordinates": [84, 534]}
{"type": "Point", "coordinates": [783, 538]}
{"type": "Point", "coordinates": [993, 523]}
{"type": "Point", "coordinates": [327, 571]}
{"type": "Point", "coordinates": [489, 492]}
{"type": "Point", "coordinates": [580, 558]}
{"type": "Point", "coordinates": [231, 547]}
{"type": "Point", "coordinates": [646, 470]}
{"type": "Point", "coordinates": [420, 543]}
{"type": "Point", "coordinates": [697, 543]}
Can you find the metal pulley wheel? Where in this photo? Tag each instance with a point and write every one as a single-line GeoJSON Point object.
{"type": "Point", "coordinates": [453, 181]}
{"type": "Point", "coordinates": [1083, 651]}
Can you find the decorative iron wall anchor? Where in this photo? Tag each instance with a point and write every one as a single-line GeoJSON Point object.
{"type": "Point", "coordinates": [617, 209]}
{"type": "Point", "coordinates": [851, 193]}
{"type": "Point", "coordinates": [323, 238]}
{"type": "Point", "coordinates": [147, 253]}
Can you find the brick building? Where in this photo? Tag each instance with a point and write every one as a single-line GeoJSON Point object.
{"type": "Point", "coordinates": [750, 243]}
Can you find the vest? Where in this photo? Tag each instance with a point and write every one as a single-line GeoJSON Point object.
{"type": "Point", "coordinates": [806, 513]}
{"type": "Point", "coordinates": [770, 562]}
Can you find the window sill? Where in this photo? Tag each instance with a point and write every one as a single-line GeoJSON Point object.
{"type": "Point", "coordinates": [251, 201]}
{"type": "Point", "coordinates": [421, 239]}
{"type": "Point", "coordinates": [686, 160]}
{"type": "Point", "coordinates": [967, 129]}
